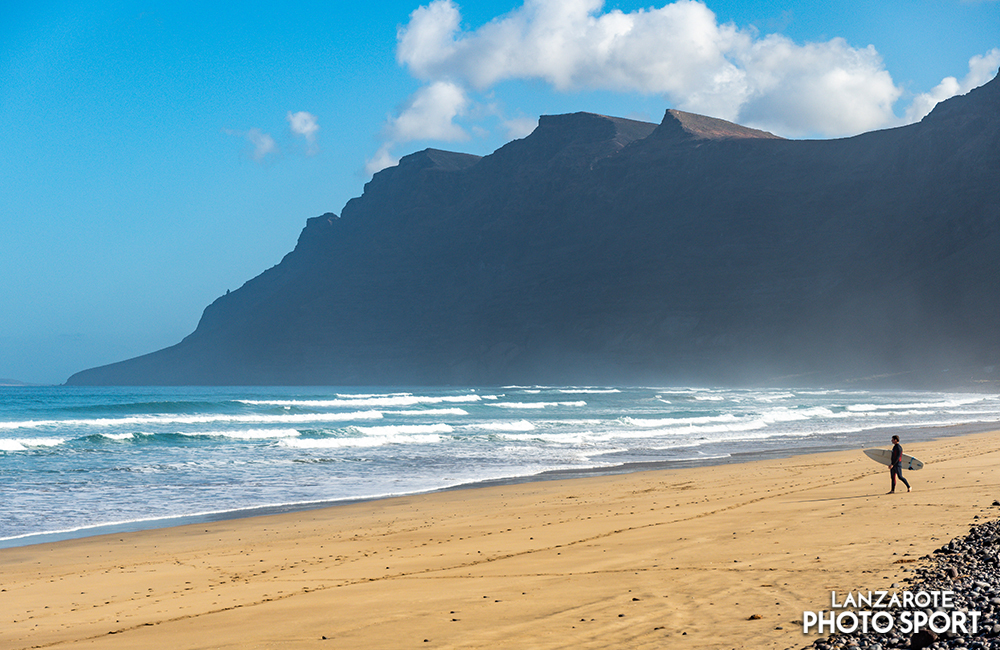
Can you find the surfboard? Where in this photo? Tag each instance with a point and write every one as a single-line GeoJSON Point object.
{"type": "Point", "coordinates": [885, 455]}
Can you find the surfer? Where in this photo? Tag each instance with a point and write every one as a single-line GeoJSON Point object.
{"type": "Point", "coordinates": [896, 465]}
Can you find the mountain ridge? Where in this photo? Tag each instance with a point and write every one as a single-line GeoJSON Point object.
{"type": "Point", "coordinates": [606, 250]}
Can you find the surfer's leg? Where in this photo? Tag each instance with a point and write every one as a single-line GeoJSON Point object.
{"type": "Point", "coordinates": [892, 475]}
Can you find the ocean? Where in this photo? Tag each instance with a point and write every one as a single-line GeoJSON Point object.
{"type": "Point", "coordinates": [83, 461]}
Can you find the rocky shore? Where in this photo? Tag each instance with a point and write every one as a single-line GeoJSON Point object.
{"type": "Point", "coordinates": [969, 568]}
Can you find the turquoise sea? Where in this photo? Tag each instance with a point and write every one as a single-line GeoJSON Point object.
{"type": "Point", "coordinates": [82, 461]}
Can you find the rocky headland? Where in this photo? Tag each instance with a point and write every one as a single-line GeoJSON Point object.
{"type": "Point", "coordinates": [604, 250]}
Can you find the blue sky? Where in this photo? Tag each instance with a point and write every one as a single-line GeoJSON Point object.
{"type": "Point", "coordinates": [156, 154]}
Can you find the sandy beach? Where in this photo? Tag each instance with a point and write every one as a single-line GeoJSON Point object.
{"type": "Point", "coordinates": [673, 558]}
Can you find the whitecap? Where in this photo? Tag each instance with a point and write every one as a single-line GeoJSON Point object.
{"type": "Point", "coordinates": [199, 419]}
{"type": "Point", "coordinates": [24, 444]}
{"type": "Point", "coordinates": [370, 401]}
{"type": "Point", "coordinates": [367, 441]}
{"type": "Point", "coordinates": [405, 429]}
{"type": "Point", "coordinates": [654, 423]}
{"type": "Point", "coordinates": [117, 436]}
{"type": "Point", "coordinates": [535, 405]}
{"type": "Point", "coordinates": [519, 425]}
{"type": "Point", "coordinates": [246, 434]}
{"type": "Point", "coordinates": [429, 412]}
{"type": "Point", "coordinates": [944, 404]}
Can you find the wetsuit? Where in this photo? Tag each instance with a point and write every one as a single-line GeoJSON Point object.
{"type": "Point", "coordinates": [896, 466]}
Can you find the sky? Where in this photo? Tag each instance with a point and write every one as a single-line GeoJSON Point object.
{"type": "Point", "coordinates": [157, 154]}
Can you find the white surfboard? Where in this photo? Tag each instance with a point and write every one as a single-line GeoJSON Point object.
{"type": "Point", "coordinates": [884, 456]}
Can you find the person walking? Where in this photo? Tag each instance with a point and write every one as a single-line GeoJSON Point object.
{"type": "Point", "coordinates": [896, 465]}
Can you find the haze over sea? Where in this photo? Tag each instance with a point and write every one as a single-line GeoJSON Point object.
{"type": "Point", "coordinates": [83, 461]}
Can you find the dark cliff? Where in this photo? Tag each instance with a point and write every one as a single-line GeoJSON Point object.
{"type": "Point", "coordinates": [604, 250]}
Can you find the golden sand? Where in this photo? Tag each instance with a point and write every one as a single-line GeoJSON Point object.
{"type": "Point", "coordinates": [675, 558]}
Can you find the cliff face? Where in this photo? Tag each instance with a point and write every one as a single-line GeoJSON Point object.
{"type": "Point", "coordinates": [604, 250]}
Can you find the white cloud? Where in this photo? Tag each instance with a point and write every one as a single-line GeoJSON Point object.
{"type": "Point", "coordinates": [304, 124]}
{"type": "Point", "coordinates": [568, 44]}
{"type": "Point", "coordinates": [263, 144]}
{"type": "Point", "coordinates": [430, 113]}
{"type": "Point", "coordinates": [829, 88]}
{"type": "Point", "coordinates": [678, 51]}
{"type": "Point", "coordinates": [520, 127]}
{"type": "Point", "coordinates": [981, 69]}
{"type": "Point", "coordinates": [382, 159]}
{"type": "Point", "coordinates": [424, 42]}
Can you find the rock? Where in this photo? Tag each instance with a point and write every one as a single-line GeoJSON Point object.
{"type": "Point", "coordinates": [922, 639]}
{"type": "Point", "coordinates": [600, 249]}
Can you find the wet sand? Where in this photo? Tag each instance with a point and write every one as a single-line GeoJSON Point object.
{"type": "Point", "coordinates": [674, 558]}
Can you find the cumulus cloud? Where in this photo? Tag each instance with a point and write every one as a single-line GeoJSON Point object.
{"type": "Point", "coordinates": [829, 88]}
{"type": "Point", "coordinates": [429, 114]}
{"type": "Point", "coordinates": [304, 125]}
{"type": "Point", "coordinates": [981, 69]}
{"type": "Point", "coordinates": [568, 44]}
{"type": "Point", "coordinates": [678, 51]}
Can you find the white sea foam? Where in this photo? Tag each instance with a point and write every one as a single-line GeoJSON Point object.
{"type": "Point", "coordinates": [429, 412]}
{"type": "Point", "coordinates": [405, 429]}
{"type": "Point", "coordinates": [795, 415]}
{"type": "Point", "coordinates": [24, 444]}
{"type": "Point", "coordinates": [737, 426]}
{"type": "Point", "coordinates": [519, 425]}
{"type": "Point", "coordinates": [697, 458]}
{"type": "Point", "coordinates": [776, 397]}
{"type": "Point", "coordinates": [657, 423]}
{"type": "Point", "coordinates": [943, 404]}
{"type": "Point", "coordinates": [247, 434]}
{"type": "Point", "coordinates": [360, 396]}
{"type": "Point", "coordinates": [248, 418]}
{"type": "Point", "coordinates": [118, 436]}
{"type": "Point", "coordinates": [586, 391]}
{"type": "Point", "coordinates": [572, 438]}
{"type": "Point", "coordinates": [366, 441]}
{"type": "Point", "coordinates": [369, 401]}
{"type": "Point", "coordinates": [535, 405]}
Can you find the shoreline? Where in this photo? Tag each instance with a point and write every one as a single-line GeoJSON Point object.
{"type": "Point", "coordinates": [912, 434]}
{"type": "Point", "coordinates": [680, 557]}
